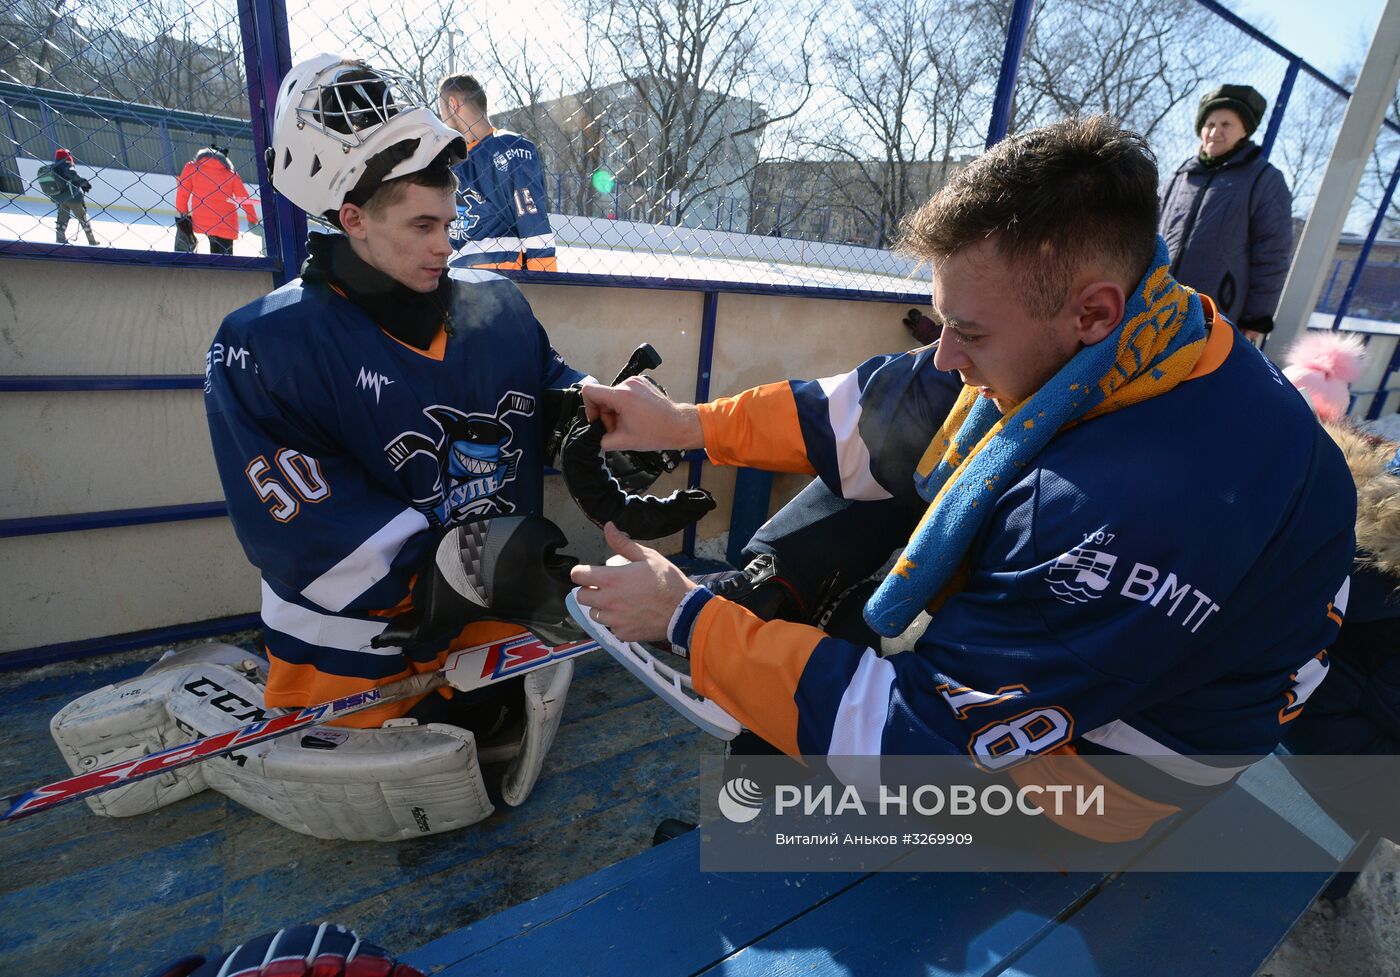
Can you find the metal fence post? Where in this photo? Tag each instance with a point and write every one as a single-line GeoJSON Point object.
{"type": "Point", "coordinates": [267, 56]}
{"type": "Point", "coordinates": [1016, 32]}
{"type": "Point", "coordinates": [709, 316]}
{"type": "Point", "coordinates": [46, 123]}
{"type": "Point", "coordinates": [1327, 293]}
{"type": "Point", "coordinates": [1285, 92]}
{"type": "Point", "coordinates": [1382, 394]}
{"type": "Point", "coordinates": [1366, 248]}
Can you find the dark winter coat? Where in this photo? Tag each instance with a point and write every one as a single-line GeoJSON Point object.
{"type": "Point", "coordinates": [75, 184]}
{"type": "Point", "coordinates": [1229, 229]}
{"type": "Point", "coordinates": [1356, 709]}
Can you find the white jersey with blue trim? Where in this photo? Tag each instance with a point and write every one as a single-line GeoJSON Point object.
{"type": "Point", "coordinates": [502, 206]}
{"type": "Point", "coordinates": [342, 449]}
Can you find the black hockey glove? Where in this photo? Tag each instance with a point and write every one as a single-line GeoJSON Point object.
{"type": "Point", "coordinates": [921, 327]}
{"type": "Point", "coordinates": [322, 951]}
{"type": "Point", "coordinates": [635, 471]}
{"type": "Point", "coordinates": [603, 500]}
{"type": "Point", "coordinates": [503, 569]}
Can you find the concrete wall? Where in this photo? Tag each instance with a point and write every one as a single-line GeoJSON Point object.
{"type": "Point", "coordinates": [68, 452]}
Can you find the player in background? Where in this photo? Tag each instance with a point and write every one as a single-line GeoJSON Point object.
{"type": "Point", "coordinates": [503, 210]}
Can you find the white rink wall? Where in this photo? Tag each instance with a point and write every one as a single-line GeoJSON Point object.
{"type": "Point", "coordinates": [76, 452]}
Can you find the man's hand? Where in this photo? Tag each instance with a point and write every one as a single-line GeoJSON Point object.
{"type": "Point", "coordinates": [639, 417]}
{"type": "Point", "coordinates": [635, 601]}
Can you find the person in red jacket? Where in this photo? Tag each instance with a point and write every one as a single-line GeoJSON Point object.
{"type": "Point", "coordinates": [209, 192]}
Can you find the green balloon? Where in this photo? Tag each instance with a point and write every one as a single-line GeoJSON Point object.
{"type": "Point", "coordinates": [603, 181]}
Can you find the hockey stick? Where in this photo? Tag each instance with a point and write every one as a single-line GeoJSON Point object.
{"type": "Point", "coordinates": [464, 670]}
{"type": "Point", "coordinates": [673, 686]}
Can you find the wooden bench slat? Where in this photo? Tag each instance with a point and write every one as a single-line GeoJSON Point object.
{"type": "Point", "coordinates": [653, 914]}
{"type": "Point", "coordinates": [952, 925]}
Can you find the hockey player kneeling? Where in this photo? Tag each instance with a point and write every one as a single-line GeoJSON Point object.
{"type": "Point", "coordinates": [359, 415]}
{"type": "Point", "coordinates": [399, 781]}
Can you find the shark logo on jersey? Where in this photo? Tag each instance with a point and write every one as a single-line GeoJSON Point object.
{"type": "Point", "coordinates": [473, 464]}
{"type": "Point", "coordinates": [468, 214]}
{"type": "Point", "coordinates": [1081, 575]}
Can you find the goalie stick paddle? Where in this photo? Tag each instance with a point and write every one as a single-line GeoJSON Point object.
{"type": "Point", "coordinates": [464, 670]}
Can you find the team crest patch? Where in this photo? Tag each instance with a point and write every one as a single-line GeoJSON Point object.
{"type": "Point", "coordinates": [500, 162]}
{"type": "Point", "coordinates": [473, 463]}
{"type": "Point", "coordinates": [1081, 575]}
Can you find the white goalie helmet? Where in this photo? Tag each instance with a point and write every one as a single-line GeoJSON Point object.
{"type": "Point", "coordinates": [334, 116]}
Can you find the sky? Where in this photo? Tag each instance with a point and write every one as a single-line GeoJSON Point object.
{"type": "Point", "coordinates": [1328, 34]}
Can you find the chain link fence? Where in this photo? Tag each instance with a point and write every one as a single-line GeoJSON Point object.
{"type": "Point", "coordinates": [138, 95]}
{"type": "Point", "coordinates": [776, 142]}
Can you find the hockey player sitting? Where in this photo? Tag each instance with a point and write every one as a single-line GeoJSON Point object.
{"type": "Point", "coordinates": [357, 413]}
{"type": "Point", "coordinates": [1136, 538]}
{"type": "Point", "coordinates": [503, 206]}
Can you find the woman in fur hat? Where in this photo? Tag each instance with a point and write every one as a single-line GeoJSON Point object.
{"type": "Point", "coordinates": [1227, 213]}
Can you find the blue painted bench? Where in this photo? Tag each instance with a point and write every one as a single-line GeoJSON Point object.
{"type": "Point", "coordinates": [657, 914]}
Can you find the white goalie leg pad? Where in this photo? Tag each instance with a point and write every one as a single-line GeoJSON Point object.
{"type": "Point", "coordinates": [401, 781]}
{"type": "Point", "coordinates": [546, 690]}
{"type": "Point", "coordinates": [131, 719]}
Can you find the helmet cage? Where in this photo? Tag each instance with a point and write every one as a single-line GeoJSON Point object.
{"type": "Point", "coordinates": [356, 100]}
{"type": "Point", "coordinates": [341, 127]}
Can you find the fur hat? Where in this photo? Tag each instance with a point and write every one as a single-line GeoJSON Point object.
{"type": "Point", "coordinates": [1244, 101]}
{"type": "Point", "coordinates": [1370, 460]}
{"type": "Point", "coordinates": [1322, 366]}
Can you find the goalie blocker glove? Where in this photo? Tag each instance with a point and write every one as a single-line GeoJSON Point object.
{"type": "Point", "coordinates": [604, 500]}
{"type": "Point", "coordinates": [296, 951]}
{"type": "Point", "coordinates": [507, 568]}
{"type": "Point", "coordinates": [635, 471]}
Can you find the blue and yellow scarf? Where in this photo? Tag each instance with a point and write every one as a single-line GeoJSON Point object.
{"type": "Point", "coordinates": [979, 452]}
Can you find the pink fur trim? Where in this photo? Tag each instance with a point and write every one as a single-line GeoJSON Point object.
{"type": "Point", "coordinates": [1338, 356]}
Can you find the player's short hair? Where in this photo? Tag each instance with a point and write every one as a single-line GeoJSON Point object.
{"type": "Point", "coordinates": [466, 88]}
{"type": "Point", "coordinates": [1052, 199]}
{"type": "Point", "coordinates": [437, 176]}
{"type": "Point", "coordinates": [374, 193]}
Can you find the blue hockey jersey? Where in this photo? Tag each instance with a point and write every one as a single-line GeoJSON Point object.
{"type": "Point", "coordinates": [502, 206]}
{"type": "Point", "coordinates": [1162, 582]}
{"type": "Point", "coordinates": [341, 448]}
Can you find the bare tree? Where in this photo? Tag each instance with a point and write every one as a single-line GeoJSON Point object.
{"type": "Point", "coordinates": [419, 49]}
{"type": "Point", "coordinates": [700, 83]}
{"type": "Point", "coordinates": [1135, 61]}
{"type": "Point", "coordinates": [156, 52]}
{"type": "Point", "coordinates": [1380, 166]}
{"type": "Point", "coordinates": [1306, 136]}
{"type": "Point", "coordinates": [906, 84]}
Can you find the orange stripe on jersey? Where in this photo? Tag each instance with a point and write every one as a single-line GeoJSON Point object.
{"type": "Point", "coordinates": [1126, 815]}
{"type": "Point", "coordinates": [1218, 344]}
{"type": "Point", "coordinates": [751, 667]}
{"type": "Point", "coordinates": [436, 351]}
{"type": "Point", "coordinates": [541, 264]}
{"type": "Point", "coordinates": [757, 428]}
{"type": "Point", "coordinates": [291, 686]}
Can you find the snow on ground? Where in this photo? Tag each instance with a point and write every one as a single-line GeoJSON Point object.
{"type": "Point", "coordinates": [23, 220]}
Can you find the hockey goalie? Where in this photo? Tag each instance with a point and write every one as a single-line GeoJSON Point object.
{"type": "Point", "coordinates": [380, 427]}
